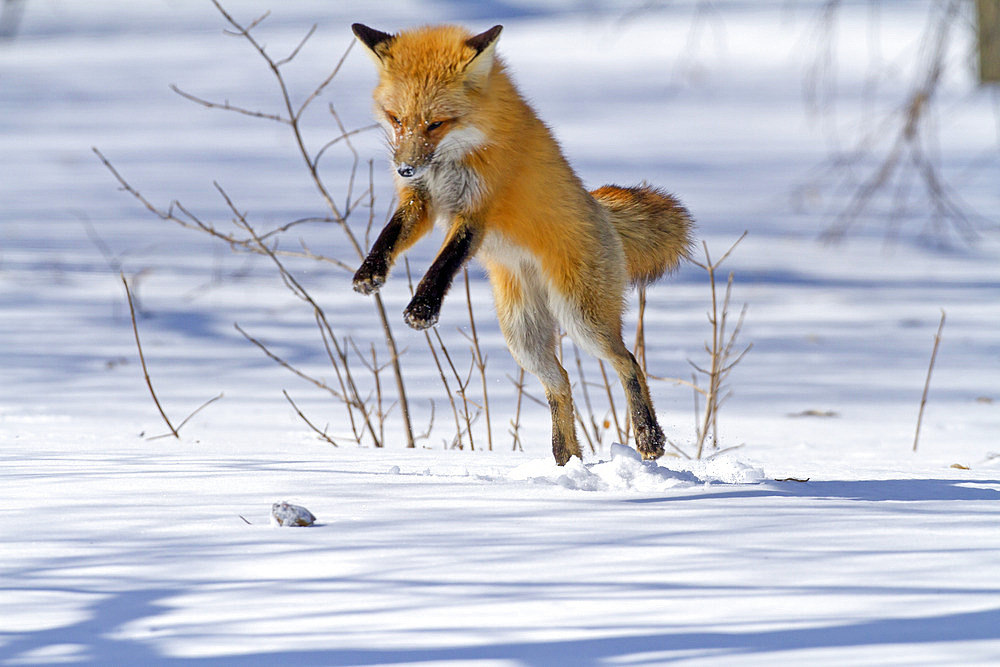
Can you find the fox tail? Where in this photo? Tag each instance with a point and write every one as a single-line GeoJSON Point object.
{"type": "Point", "coordinates": [655, 229]}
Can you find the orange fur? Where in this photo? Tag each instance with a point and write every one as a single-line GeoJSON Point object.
{"type": "Point", "coordinates": [471, 155]}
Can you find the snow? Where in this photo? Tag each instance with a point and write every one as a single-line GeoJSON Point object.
{"type": "Point", "coordinates": [626, 471]}
{"type": "Point", "coordinates": [120, 549]}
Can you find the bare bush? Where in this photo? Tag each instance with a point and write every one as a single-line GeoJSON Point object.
{"type": "Point", "coordinates": [893, 169]}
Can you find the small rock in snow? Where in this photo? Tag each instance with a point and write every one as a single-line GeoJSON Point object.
{"type": "Point", "coordinates": [286, 514]}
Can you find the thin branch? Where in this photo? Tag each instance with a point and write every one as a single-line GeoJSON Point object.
{"type": "Point", "coordinates": [479, 360]}
{"type": "Point", "coordinates": [927, 382]}
{"type": "Point", "coordinates": [142, 360]}
{"type": "Point", "coordinates": [226, 106]}
{"type": "Point", "coordinates": [326, 82]}
{"type": "Point", "coordinates": [321, 433]}
{"type": "Point", "coordinates": [197, 410]}
{"type": "Point", "coordinates": [295, 371]}
{"type": "Point", "coordinates": [622, 435]}
{"type": "Point", "coordinates": [515, 423]}
{"type": "Point", "coordinates": [291, 56]}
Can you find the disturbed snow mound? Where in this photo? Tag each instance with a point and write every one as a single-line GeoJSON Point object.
{"type": "Point", "coordinates": [626, 471]}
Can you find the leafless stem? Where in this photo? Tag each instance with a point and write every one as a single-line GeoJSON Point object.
{"type": "Point", "coordinates": [720, 350]}
{"type": "Point", "coordinates": [479, 360]}
{"type": "Point", "coordinates": [226, 106]}
{"type": "Point", "coordinates": [515, 423]}
{"type": "Point", "coordinates": [196, 411]}
{"type": "Point", "coordinates": [376, 370]}
{"type": "Point", "coordinates": [622, 433]}
{"type": "Point", "coordinates": [321, 432]}
{"type": "Point", "coordinates": [640, 328]}
{"type": "Point", "coordinates": [437, 363]}
{"type": "Point", "coordinates": [175, 432]}
{"type": "Point", "coordinates": [597, 431]}
{"type": "Point", "coordinates": [462, 386]}
{"type": "Point", "coordinates": [142, 360]}
{"type": "Point", "coordinates": [927, 382]}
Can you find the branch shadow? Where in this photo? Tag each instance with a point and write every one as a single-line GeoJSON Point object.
{"type": "Point", "coordinates": [97, 648]}
{"type": "Point", "coordinates": [900, 490]}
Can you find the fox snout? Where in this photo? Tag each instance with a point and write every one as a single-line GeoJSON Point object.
{"type": "Point", "coordinates": [409, 170]}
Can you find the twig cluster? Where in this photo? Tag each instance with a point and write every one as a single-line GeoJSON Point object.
{"type": "Point", "coordinates": [367, 412]}
{"type": "Point", "coordinates": [722, 351]}
{"type": "Point", "coordinates": [896, 150]}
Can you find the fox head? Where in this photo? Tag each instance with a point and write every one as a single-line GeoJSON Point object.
{"type": "Point", "coordinates": [431, 84]}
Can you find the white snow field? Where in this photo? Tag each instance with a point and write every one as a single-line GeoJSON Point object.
{"type": "Point", "coordinates": [119, 549]}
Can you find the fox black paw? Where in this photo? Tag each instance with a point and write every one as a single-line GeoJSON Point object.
{"type": "Point", "coordinates": [421, 314]}
{"type": "Point", "coordinates": [368, 281]}
{"type": "Point", "coordinates": [650, 444]}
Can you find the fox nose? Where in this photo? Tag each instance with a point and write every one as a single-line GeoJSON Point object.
{"type": "Point", "coordinates": [405, 170]}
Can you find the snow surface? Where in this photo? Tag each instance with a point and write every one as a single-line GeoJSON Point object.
{"type": "Point", "coordinates": [118, 549]}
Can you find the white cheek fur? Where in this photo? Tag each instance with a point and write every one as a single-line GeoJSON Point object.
{"type": "Point", "coordinates": [460, 142]}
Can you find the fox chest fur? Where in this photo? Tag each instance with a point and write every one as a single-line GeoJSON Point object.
{"type": "Point", "coordinates": [450, 188]}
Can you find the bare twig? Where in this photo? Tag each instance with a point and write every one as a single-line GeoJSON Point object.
{"type": "Point", "coordinates": [597, 430]}
{"type": "Point", "coordinates": [174, 431]}
{"type": "Point", "coordinates": [720, 350]}
{"type": "Point", "coordinates": [142, 360]}
{"type": "Point", "coordinates": [322, 433]}
{"type": "Point", "coordinates": [226, 106]}
{"type": "Point", "coordinates": [191, 221]}
{"type": "Point", "coordinates": [197, 410]}
{"type": "Point", "coordinates": [437, 363]}
{"type": "Point", "coordinates": [462, 386]}
{"type": "Point", "coordinates": [927, 382]}
{"type": "Point", "coordinates": [515, 423]}
{"type": "Point", "coordinates": [479, 360]}
{"type": "Point", "coordinates": [295, 371]}
{"type": "Point", "coordinates": [623, 435]}
{"type": "Point", "coordinates": [640, 328]}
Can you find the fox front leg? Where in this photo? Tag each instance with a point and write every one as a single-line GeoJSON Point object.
{"type": "Point", "coordinates": [425, 307]}
{"type": "Point", "coordinates": [408, 223]}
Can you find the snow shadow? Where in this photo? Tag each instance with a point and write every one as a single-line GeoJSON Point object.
{"type": "Point", "coordinates": [912, 490]}
{"type": "Point", "coordinates": [89, 641]}
{"type": "Point", "coordinates": [973, 626]}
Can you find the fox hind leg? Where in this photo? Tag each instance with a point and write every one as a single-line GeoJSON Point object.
{"type": "Point", "coordinates": [649, 436]}
{"type": "Point", "coordinates": [599, 332]}
{"type": "Point", "coordinates": [530, 331]}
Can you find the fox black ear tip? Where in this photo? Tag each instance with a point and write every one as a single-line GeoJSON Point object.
{"type": "Point", "coordinates": [370, 37]}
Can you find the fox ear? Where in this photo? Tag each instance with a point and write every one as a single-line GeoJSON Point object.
{"type": "Point", "coordinates": [477, 69]}
{"type": "Point", "coordinates": [375, 41]}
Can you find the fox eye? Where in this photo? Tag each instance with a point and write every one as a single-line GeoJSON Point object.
{"type": "Point", "coordinates": [392, 118]}
{"type": "Point", "coordinates": [435, 125]}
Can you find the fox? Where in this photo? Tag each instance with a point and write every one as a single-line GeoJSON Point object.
{"type": "Point", "coordinates": [472, 157]}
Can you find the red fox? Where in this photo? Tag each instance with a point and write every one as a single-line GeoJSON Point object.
{"type": "Point", "coordinates": [471, 156]}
